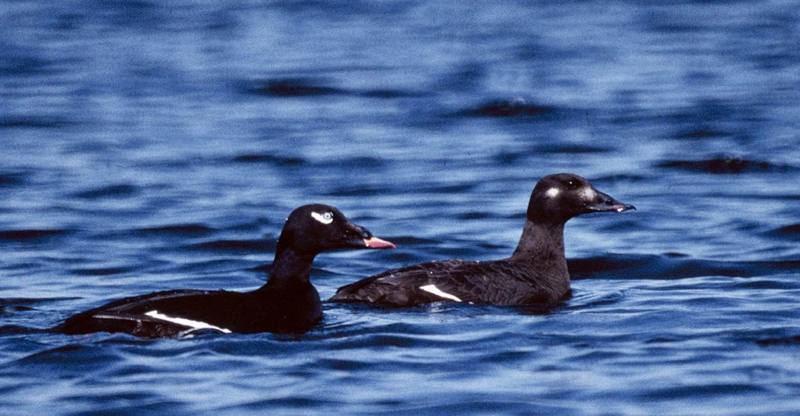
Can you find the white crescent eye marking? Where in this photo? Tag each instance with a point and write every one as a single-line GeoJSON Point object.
{"type": "Point", "coordinates": [552, 192]}
{"type": "Point", "coordinates": [325, 218]}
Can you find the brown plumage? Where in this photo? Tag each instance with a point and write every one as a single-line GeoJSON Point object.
{"type": "Point", "coordinates": [535, 274]}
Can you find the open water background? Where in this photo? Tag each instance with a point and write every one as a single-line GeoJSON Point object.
{"type": "Point", "coordinates": [148, 146]}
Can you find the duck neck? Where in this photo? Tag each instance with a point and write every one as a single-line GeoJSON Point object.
{"type": "Point", "coordinates": [290, 268]}
{"type": "Point", "coordinates": [541, 242]}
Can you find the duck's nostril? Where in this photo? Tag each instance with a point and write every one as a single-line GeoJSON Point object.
{"type": "Point", "coordinates": [365, 232]}
{"type": "Point", "coordinates": [358, 231]}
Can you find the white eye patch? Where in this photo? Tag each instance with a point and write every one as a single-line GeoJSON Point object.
{"type": "Point", "coordinates": [325, 218]}
{"type": "Point", "coordinates": [589, 193]}
{"type": "Point", "coordinates": [552, 192]}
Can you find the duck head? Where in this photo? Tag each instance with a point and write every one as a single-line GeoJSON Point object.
{"type": "Point", "coordinates": [316, 228]}
{"type": "Point", "coordinates": [557, 198]}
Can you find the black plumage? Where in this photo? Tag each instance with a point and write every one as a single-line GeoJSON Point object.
{"type": "Point", "coordinates": [535, 274]}
{"type": "Point", "coordinates": [288, 302]}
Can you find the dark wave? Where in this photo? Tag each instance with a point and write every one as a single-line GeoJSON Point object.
{"type": "Point", "coordinates": [511, 156]}
{"type": "Point", "coordinates": [271, 159]}
{"type": "Point", "coordinates": [707, 390]}
{"type": "Point", "coordinates": [671, 23]}
{"type": "Point", "coordinates": [32, 234]}
{"type": "Point", "coordinates": [389, 93]}
{"type": "Point", "coordinates": [11, 179]}
{"type": "Point", "coordinates": [8, 305]}
{"type": "Point", "coordinates": [791, 231]}
{"type": "Point", "coordinates": [29, 301]}
{"type": "Point", "coordinates": [34, 122]}
{"type": "Point", "coordinates": [789, 340]}
{"type": "Point", "coordinates": [19, 61]}
{"type": "Point", "coordinates": [235, 245]}
{"type": "Point", "coordinates": [672, 267]}
{"type": "Point", "coordinates": [455, 188]}
{"type": "Point", "coordinates": [298, 403]}
{"type": "Point", "coordinates": [100, 271]}
{"type": "Point", "coordinates": [180, 229]}
{"type": "Point", "coordinates": [701, 133]}
{"type": "Point", "coordinates": [507, 108]}
{"type": "Point", "coordinates": [475, 215]}
{"type": "Point", "coordinates": [358, 190]}
{"type": "Point", "coordinates": [310, 87]}
{"type": "Point", "coordinates": [293, 87]}
{"type": "Point", "coordinates": [80, 357]}
{"type": "Point", "coordinates": [357, 162]}
{"type": "Point", "coordinates": [464, 77]}
{"type": "Point", "coordinates": [575, 149]}
{"type": "Point", "coordinates": [706, 111]}
{"type": "Point", "coordinates": [622, 177]}
{"type": "Point", "coordinates": [725, 165]}
{"type": "Point", "coordinates": [20, 330]}
{"type": "Point", "coordinates": [110, 191]}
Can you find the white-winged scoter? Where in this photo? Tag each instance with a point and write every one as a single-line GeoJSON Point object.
{"type": "Point", "coordinates": [288, 302]}
{"type": "Point", "coordinates": [536, 273]}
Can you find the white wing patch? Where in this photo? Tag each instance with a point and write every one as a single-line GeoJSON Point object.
{"type": "Point", "coordinates": [552, 192]}
{"type": "Point", "coordinates": [325, 218]}
{"type": "Point", "coordinates": [435, 290]}
{"type": "Point", "coordinates": [194, 325]}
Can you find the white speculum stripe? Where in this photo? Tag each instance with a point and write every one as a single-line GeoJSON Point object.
{"type": "Point", "coordinates": [194, 325]}
{"type": "Point", "coordinates": [436, 291]}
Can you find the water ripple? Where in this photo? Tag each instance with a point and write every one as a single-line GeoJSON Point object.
{"type": "Point", "coordinates": [726, 165]}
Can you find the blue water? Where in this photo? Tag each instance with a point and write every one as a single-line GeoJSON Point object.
{"type": "Point", "coordinates": [147, 147]}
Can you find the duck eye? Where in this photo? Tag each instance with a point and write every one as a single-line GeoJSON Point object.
{"type": "Point", "coordinates": [325, 218]}
{"type": "Point", "coordinates": [572, 184]}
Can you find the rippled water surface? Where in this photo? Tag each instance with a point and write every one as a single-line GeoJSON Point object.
{"type": "Point", "coordinates": [147, 147]}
